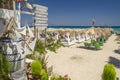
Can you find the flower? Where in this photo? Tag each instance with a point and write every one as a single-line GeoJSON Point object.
{"type": "Point", "coordinates": [66, 76]}
{"type": "Point", "coordinates": [19, 0]}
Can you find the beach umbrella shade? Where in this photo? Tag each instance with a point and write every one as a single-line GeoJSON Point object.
{"type": "Point", "coordinates": [72, 33]}
{"type": "Point", "coordinates": [100, 32]}
{"type": "Point", "coordinates": [61, 32]}
{"type": "Point", "coordinates": [91, 31]}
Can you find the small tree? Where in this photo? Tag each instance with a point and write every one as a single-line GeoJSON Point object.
{"type": "Point", "coordinates": [109, 72]}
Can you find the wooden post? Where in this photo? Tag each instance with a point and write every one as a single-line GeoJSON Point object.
{"type": "Point", "coordinates": [6, 4]}
{"type": "Point", "coordinates": [45, 36]}
{"type": "Point", "coordinates": [1, 4]}
{"type": "Point", "coordinates": [12, 4]}
{"type": "Point", "coordinates": [34, 24]}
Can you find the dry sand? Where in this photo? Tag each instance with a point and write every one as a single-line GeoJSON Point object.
{"type": "Point", "coordinates": [84, 64]}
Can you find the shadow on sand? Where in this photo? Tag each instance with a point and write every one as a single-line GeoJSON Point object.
{"type": "Point", "coordinates": [90, 48]}
{"type": "Point", "coordinates": [114, 61]}
{"type": "Point", "coordinates": [117, 51]}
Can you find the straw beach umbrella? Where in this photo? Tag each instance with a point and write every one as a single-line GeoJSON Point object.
{"type": "Point", "coordinates": [61, 32]}
{"type": "Point", "coordinates": [91, 31]}
{"type": "Point", "coordinates": [101, 32]}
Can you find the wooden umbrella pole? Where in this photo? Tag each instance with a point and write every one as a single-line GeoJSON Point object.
{"type": "Point", "coordinates": [45, 36]}
{"type": "Point", "coordinates": [34, 27]}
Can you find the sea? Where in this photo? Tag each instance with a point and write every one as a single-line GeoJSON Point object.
{"type": "Point", "coordinates": [116, 28]}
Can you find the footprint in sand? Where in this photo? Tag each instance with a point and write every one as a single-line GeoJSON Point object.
{"type": "Point", "coordinates": [76, 58]}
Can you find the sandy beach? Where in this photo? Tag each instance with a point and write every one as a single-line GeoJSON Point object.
{"type": "Point", "coordinates": [84, 64]}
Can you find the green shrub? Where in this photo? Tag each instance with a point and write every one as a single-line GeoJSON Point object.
{"type": "Point", "coordinates": [36, 67]}
{"type": "Point", "coordinates": [4, 66]}
{"type": "Point", "coordinates": [98, 47]}
{"type": "Point", "coordinates": [93, 42]}
{"type": "Point", "coordinates": [40, 47]}
{"type": "Point", "coordinates": [109, 72]}
{"type": "Point", "coordinates": [101, 43]}
{"type": "Point", "coordinates": [87, 45]}
{"type": "Point", "coordinates": [43, 60]}
{"type": "Point", "coordinates": [106, 37]}
{"type": "Point", "coordinates": [59, 78]}
{"type": "Point", "coordinates": [30, 56]}
{"type": "Point", "coordinates": [53, 46]}
{"type": "Point", "coordinates": [44, 75]}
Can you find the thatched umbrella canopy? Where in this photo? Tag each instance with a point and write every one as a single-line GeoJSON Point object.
{"type": "Point", "coordinates": [105, 31]}
{"type": "Point", "coordinates": [77, 33]}
{"type": "Point", "coordinates": [108, 31]}
{"type": "Point", "coordinates": [72, 33]}
{"type": "Point", "coordinates": [91, 31]}
{"type": "Point", "coordinates": [62, 31]}
{"type": "Point", "coordinates": [100, 32]}
{"type": "Point", "coordinates": [83, 32]}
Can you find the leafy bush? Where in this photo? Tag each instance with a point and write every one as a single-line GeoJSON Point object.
{"type": "Point", "coordinates": [87, 45]}
{"type": "Point", "coordinates": [40, 47]}
{"type": "Point", "coordinates": [59, 44]}
{"type": "Point", "coordinates": [30, 56]}
{"type": "Point", "coordinates": [4, 66]}
{"type": "Point", "coordinates": [106, 37]}
{"type": "Point", "coordinates": [53, 46]}
{"type": "Point", "coordinates": [44, 75]}
{"type": "Point", "coordinates": [36, 67]}
{"type": "Point", "coordinates": [59, 78]}
{"type": "Point", "coordinates": [101, 43]}
{"type": "Point", "coordinates": [43, 60]}
{"type": "Point", "coordinates": [109, 72]}
{"type": "Point", "coordinates": [93, 42]}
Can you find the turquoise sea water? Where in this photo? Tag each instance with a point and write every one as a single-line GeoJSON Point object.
{"type": "Point", "coordinates": [116, 28]}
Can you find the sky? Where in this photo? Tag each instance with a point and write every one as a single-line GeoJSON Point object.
{"type": "Point", "coordinates": [80, 12]}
